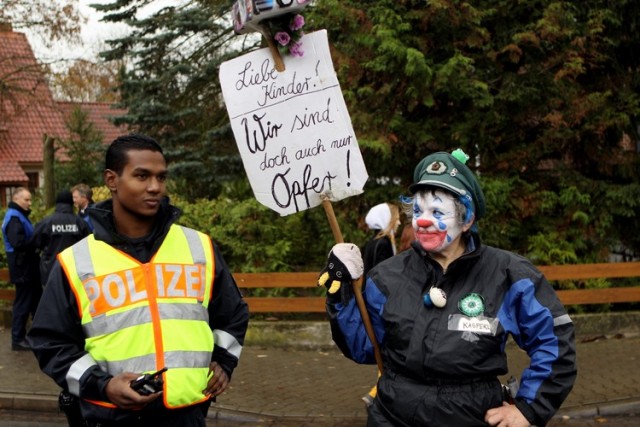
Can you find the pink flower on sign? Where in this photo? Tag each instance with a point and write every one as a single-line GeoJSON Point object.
{"type": "Point", "coordinates": [295, 49]}
{"type": "Point", "coordinates": [287, 32]}
{"type": "Point", "coordinates": [297, 23]}
{"type": "Point", "coordinates": [282, 37]}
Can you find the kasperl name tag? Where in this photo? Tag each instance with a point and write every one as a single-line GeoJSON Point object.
{"type": "Point", "coordinates": [477, 325]}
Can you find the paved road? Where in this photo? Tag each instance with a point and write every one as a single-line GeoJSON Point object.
{"type": "Point", "coordinates": [304, 387]}
{"type": "Point", "coordinates": [35, 419]}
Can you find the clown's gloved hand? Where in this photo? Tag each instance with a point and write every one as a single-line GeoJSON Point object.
{"type": "Point", "coordinates": [344, 264]}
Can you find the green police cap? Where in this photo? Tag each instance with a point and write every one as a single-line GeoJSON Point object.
{"type": "Point", "coordinates": [449, 172]}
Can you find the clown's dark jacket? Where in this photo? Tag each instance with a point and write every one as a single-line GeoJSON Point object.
{"type": "Point", "coordinates": [423, 343]}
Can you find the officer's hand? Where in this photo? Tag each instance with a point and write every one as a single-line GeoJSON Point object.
{"type": "Point", "coordinates": [218, 382]}
{"type": "Point", "coordinates": [506, 416]}
{"type": "Point", "coordinates": [120, 393]}
{"type": "Point", "coordinates": [344, 264]}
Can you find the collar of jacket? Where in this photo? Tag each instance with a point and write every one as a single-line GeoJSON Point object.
{"type": "Point", "coordinates": [465, 259]}
{"type": "Point", "coordinates": [14, 205]}
{"type": "Point", "coordinates": [101, 215]}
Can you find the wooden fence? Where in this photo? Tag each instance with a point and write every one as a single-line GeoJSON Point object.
{"type": "Point", "coordinates": [316, 304]}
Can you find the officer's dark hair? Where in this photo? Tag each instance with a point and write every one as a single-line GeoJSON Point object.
{"type": "Point", "coordinates": [117, 157]}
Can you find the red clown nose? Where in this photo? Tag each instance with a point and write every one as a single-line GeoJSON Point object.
{"type": "Point", "coordinates": [424, 223]}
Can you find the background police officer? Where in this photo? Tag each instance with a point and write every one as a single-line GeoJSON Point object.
{"type": "Point", "coordinates": [58, 231]}
{"type": "Point", "coordinates": [23, 262]}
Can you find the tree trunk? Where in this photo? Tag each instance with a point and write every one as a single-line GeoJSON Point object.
{"type": "Point", "coordinates": [47, 166]}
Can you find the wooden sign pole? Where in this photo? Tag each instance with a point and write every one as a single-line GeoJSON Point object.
{"type": "Point", "coordinates": [357, 284]}
{"type": "Point", "coordinates": [275, 53]}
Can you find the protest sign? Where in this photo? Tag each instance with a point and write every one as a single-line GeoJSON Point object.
{"type": "Point", "coordinates": [292, 127]}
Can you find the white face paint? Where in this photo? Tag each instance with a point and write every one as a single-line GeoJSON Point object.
{"type": "Point", "coordinates": [435, 220]}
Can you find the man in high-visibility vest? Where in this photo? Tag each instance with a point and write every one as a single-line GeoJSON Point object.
{"type": "Point", "coordinates": [139, 295]}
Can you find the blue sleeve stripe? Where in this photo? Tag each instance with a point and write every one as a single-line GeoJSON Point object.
{"type": "Point", "coordinates": [375, 305]}
{"type": "Point", "coordinates": [535, 335]}
{"type": "Point", "coordinates": [350, 322]}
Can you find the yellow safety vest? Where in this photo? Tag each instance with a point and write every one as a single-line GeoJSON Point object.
{"type": "Point", "coordinates": [143, 317]}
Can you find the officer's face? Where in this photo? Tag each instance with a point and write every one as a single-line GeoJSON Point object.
{"type": "Point", "coordinates": [79, 200]}
{"type": "Point", "coordinates": [138, 191]}
{"type": "Point", "coordinates": [23, 199]}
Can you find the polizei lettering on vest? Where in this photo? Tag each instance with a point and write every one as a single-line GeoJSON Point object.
{"type": "Point", "coordinates": [64, 228]}
{"type": "Point", "coordinates": [184, 280]}
{"type": "Point", "coordinates": [127, 287]}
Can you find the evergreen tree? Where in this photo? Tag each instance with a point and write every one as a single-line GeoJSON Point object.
{"type": "Point", "coordinates": [83, 153]}
{"type": "Point", "coordinates": [172, 90]}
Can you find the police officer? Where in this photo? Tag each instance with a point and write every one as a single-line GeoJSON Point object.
{"type": "Point", "coordinates": [23, 261]}
{"type": "Point", "coordinates": [58, 231]}
{"type": "Point", "coordinates": [140, 294]}
{"type": "Point", "coordinates": [82, 199]}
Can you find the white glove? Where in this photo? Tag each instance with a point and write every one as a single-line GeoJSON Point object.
{"type": "Point", "coordinates": [344, 264]}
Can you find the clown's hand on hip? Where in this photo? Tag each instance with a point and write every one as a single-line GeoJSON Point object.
{"type": "Point", "coordinates": [344, 264]}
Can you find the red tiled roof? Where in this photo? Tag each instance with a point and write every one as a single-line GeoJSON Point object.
{"type": "Point", "coordinates": [11, 172]}
{"type": "Point", "coordinates": [100, 114]}
{"type": "Point", "coordinates": [27, 109]}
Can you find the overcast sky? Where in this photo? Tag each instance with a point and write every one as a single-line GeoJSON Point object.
{"type": "Point", "coordinates": [94, 34]}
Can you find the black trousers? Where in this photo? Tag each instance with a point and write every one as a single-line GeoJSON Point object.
{"type": "Point", "coordinates": [403, 402]}
{"type": "Point", "coordinates": [189, 419]}
{"type": "Point", "coordinates": [25, 304]}
{"type": "Point", "coordinates": [193, 416]}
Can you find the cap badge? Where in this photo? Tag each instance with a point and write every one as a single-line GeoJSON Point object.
{"type": "Point", "coordinates": [436, 168]}
{"type": "Point", "coordinates": [454, 172]}
{"type": "Point", "coordinates": [471, 305]}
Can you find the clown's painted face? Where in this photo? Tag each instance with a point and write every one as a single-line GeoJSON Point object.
{"type": "Point", "coordinates": [435, 220]}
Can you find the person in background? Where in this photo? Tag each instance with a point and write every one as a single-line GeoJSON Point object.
{"type": "Point", "coordinates": [58, 231]}
{"type": "Point", "coordinates": [82, 199]}
{"type": "Point", "coordinates": [442, 313]}
{"type": "Point", "coordinates": [140, 294]}
{"type": "Point", "coordinates": [383, 220]}
{"type": "Point", "coordinates": [23, 262]}
{"type": "Point", "coordinates": [407, 237]}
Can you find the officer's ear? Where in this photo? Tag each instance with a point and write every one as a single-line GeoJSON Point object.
{"type": "Point", "coordinates": [110, 179]}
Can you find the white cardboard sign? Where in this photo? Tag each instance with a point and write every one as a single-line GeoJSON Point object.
{"type": "Point", "coordinates": [292, 128]}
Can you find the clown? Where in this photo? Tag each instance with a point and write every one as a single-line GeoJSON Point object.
{"type": "Point", "coordinates": [442, 313]}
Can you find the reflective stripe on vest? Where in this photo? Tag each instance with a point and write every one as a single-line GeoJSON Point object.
{"type": "Point", "coordinates": [143, 317]}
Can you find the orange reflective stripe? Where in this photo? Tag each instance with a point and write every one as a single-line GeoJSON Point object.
{"type": "Point", "coordinates": [100, 403]}
{"type": "Point", "coordinates": [124, 288]}
{"type": "Point", "coordinates": [155, 317]}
